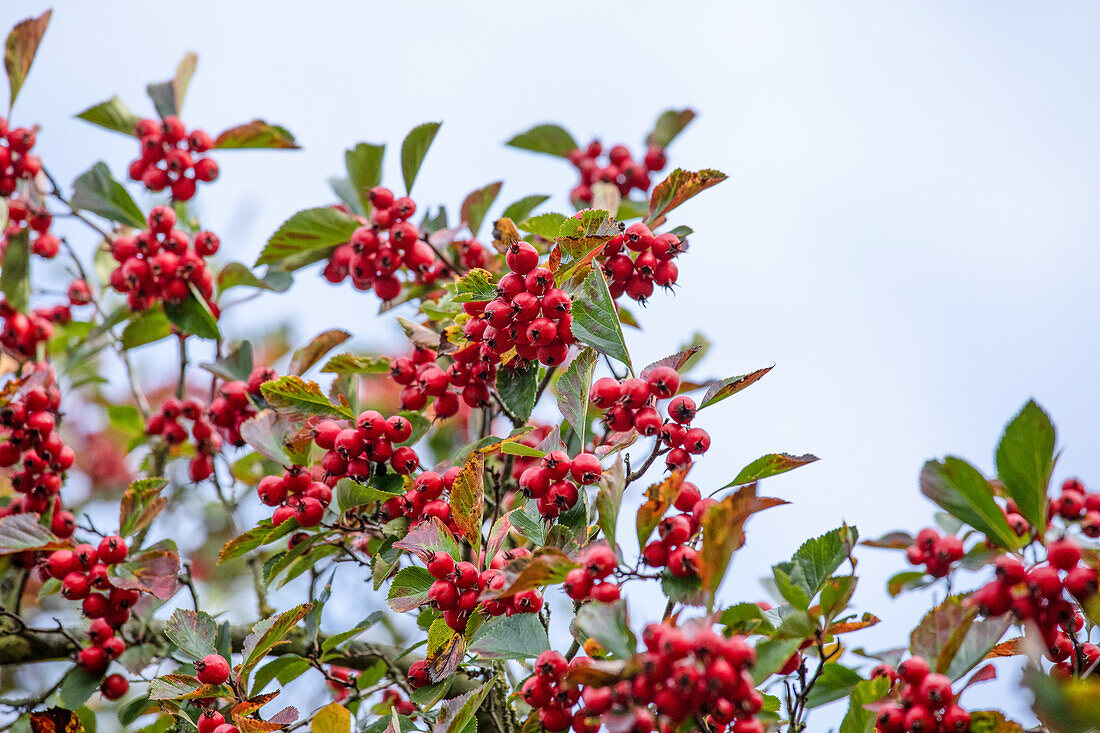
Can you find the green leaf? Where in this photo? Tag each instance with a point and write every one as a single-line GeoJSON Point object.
{"type": "Point", "coordinates": [337, 639]}
{"type": "Point", "coordinates": [686, 590]}
{"type": "Point", "coordinates": [352, 493]}
{"type": "Point", "coordinates": [293, 395]}
{"type": "Point", "coordinates": [346, 193]}
{"type": "Point", "coordinates": [545, 225]}
{"type": "Point", "coordinates": [353, 364]}
{"type": "Point", "coordinates": [112, 115]}
{"type": "Point", "coordinates": [146, 327]}
{"type": "Point", "coordinates": [141, 502]}
{"type": "Point", "coordinates": [905, 580]}
{"type": "Point", "coordinates": [577, 237]}
{"type": "Point", "coordinates": [475, 286]}
{"type": "Point", "coordinates": [15, 274]}
{"type": "Point", "coordinates": [245, 542]}
{"type": "Point", "coordinates": [20, 532]}
{"type": "Point", "coordinates": [97, 191]}
{"type": "Point", "coordinates": [168, 96]}
{"type": "Point", "coordinates": [236, 274]}
{"type": "Point", "coordinates": [1071, 706]}
{"type": "Point", "coordinates": [609, 499]}
{"type": "Point", "coordinates": [308, 231]}
{"type": "Point", "coordinates": [409, 589]}
{"type": "Point", "coordinates": [771, 655]}
{"type": "Point", "coordinates": [1025, 461]}
{"type": "Point", "coordinates": [194, 632]}
{"type": "Point", "coordinates": [595, 321]}
{"type": "Point", "coordinates": [572, 390]}
{"type": "Point", "coordinates": [467, 498]}
{"type": "Point", "coordinates": [517, 388]}
{"type": "Point", "coordinates": [269, 632]}
{"type": "Point", "coordinates": [670, 124]}
{"type": "Point", "coordinates": [457, 713]}
{"type": "Point", "coordinates": [285, 668]}
{"type": "Point", "coordinates": [364, 166]}
{"type": "Point", "coordinates": [193, 315]}
{"type": "Point", "coordinates": [311, 353]}
{"type": "Point", "coordinates": [816, 560]}
{"type": "Point", "coordinates": [963, 492]}
{"type": "Point", "coordinates": [236, 365]}
{"type": "Point", "coordinates": [772, 464]}
{"type": "Point", "coordinates": [836, 681]}
{"type": "Point", "coordinates": [522, 209]}
{"type": "Point", "coordinates": [680, 186]}
{"type": "Point", "coordinates": [608, 624]}
{"type": "Point", "coordinates": [77, 687]}
{"type": "Point", "coordinates": [256, 134]}
{"type": "Point", "coordinates": [477, 204]}
{"type": "Point", "coordinates": [413, 150]}
{"type": "Point", "coordinates": [512, 448]}
{"type": "Point", "coordinates": [730, 386]}
{"type": "Point", "coordinates": [19, 52]}
{"type": "Point", "coordinates": [527, 521]}
{"type": "Point", "coordinates": [858, 718]}
{"type": "Point", "coordinates": [549, 139]}
{"type": "Point", "coordinates": [521, 636]}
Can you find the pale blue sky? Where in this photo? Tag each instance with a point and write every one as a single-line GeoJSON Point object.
{"type": "Point", "coordinates": [908, 231]}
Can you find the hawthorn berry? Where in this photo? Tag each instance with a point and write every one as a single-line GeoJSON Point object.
{"type": "Point", "coordinates": [213, 669]}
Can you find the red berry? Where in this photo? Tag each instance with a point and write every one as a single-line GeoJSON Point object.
{"type": "Point", "coordinates": [114, 687]}
{"type": "Point", "coordinates": [663, 382]}
{"type": "Point", "coordinates": [112, 550]}
{"type": "Point", "coordinates": [1063, 553]}
{"type": "Point", "coordinates": [213, 669]}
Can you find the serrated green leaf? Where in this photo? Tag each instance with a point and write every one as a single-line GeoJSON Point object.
{"type": "Point", "coordinates": [595, 321]}
{"type": "Point", "coordinates": [962, 491]}
{"type": "Point", "coordinates": [517, 387]}
{"type": "Point", "coordinates": [15, 273]}
{"type": "Point", "coordinates": [308, 231]}
{"type": "Point", "coordinates": [1025, 461]}
{"type": "Point", "coordinates": [409, 589]}
{"type": "Point", "coordinates": [546, 138]}
{"type": "Point", "coordinates": [520, 210]}
{"type": "Point", "coordinates": [193, 632]}
{"type": "Point", "coordinates": [413, 150]}
{"type": "Point", "coordinates": [364, 167]}
{"type": "Point", "coordinates": [112, 115]}
{"type": "Point", "coordinates": [294, 395]}
{"type": "Point", "coordinates": [572, 390]}
{"type": "Point", "coordinates": [97, 191]}
{"type": "Point", "coordinates": [193, 315]}
{"type": "Point", "coordinates": [545, 225]}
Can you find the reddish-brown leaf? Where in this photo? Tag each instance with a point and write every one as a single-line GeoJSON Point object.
{"type": "Point", "coordinates": [543, 567]}
{"type": "Point", "coordinates": [724, 532]}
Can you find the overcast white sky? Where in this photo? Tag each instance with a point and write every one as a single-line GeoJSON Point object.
{"type": "Point", "coordinates": [908, 232]}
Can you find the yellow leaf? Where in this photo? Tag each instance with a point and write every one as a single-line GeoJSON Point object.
{"type": "Point", "coordinates": [332, 718]}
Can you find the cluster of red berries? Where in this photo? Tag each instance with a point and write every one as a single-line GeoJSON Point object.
{"type": "Point", "coordinates": [553, 482]}
{"type": "Point", "coordinates": [685, 673]}
{"type": "Point", "coordinates": [170, 157]}
{"type": "Point", "coordinates": [529, 314]}
{"type": "Point", "coordinates": [630, 404]}
{"type": "Point", "coordinates": [16, 160]}
{"type": "Point", "coordinates": [675, 532]}
{"type": "Point", "coordinates": [31, 441]}
{"type": "Point", "coordinates": [23, 214]}
{"type": "Point", "coordinates": [83, 572]}
{"type": "Point", "coordinates": [233, 403]}
{"type": "Point", "coordinates": [423, 379]}
{"type": "Point", "coordinates": [1037, 594]}
{"type": "Point", "coordinates": [619, 169]}
{"type": "Point", "coordinates": [425, 500]}
{"type": "Point", "coordinates": [590, 580]}
{"type": "Point", "coordinates": [935, 552]}
{"type": "Point", "coordinates": [379, 249]}
{"type": "Point", "coordinates": [295, 495]}
{"type": "Point", "coordinates": [927, 702]}
{"type": "Point", "coordinates": [23, 332]}
{"type": "Point", "coordinates": [471, 253]}
{"type": "Point", "coordinates": [458, 588]}
{"type": "Point", "coordinates": [162, 263]}
{"type": "Point", "coordinates": [1075, 504]}
{"type": "Point", "coordinates": [166, 423]}
{"type": "Point", "coordinates": [651, 265]}
{"type": "Point", "coordinates": [355, 451]}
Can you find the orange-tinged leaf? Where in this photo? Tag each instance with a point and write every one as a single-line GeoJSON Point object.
{"type": "Point", "coordinates": [1007, 648]}
{"type": "Point", "coordinates": [251, 705]}
{"type": "Point", "coordinates": [724, 532]}
{"type": "Point", "coordinates": [56, 720]}
{"type": "Point", "coordinates": [20, 49]}
{"type": "Point", "coordinates": [505, 234]}
{"type": "Point", "coordinates": [678, 188]}
{"type": "Point", "coordinates": [468, 497]}
{"type": "Point", "coordinates": [659, 498]}
{"type": "Point", "coordinates": [256, 134]}
{"type": "Point", "coordinates": [597, 672]}
{"type": "Point", "coordinates": [444, 663]}
{"type": "Point", "coordinates": [847, 627]}
{"type": "Point", "coordinates": [543, 567]}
